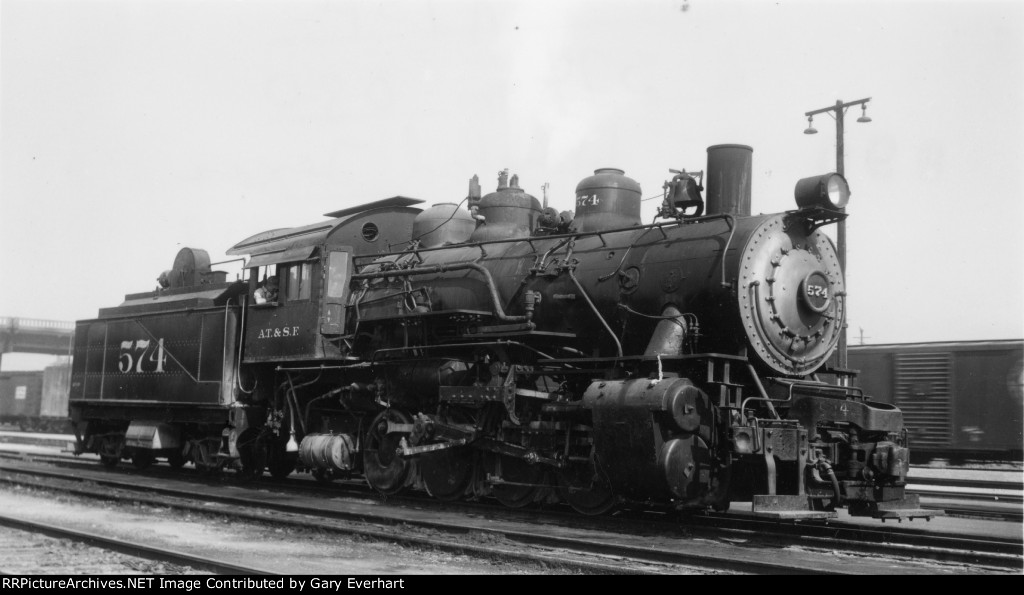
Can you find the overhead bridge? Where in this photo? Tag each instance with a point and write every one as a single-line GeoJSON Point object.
{"type": "Point", "coordinates": [31, 335]}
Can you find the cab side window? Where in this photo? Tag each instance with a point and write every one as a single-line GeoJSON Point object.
{"type": "Point", "coordinates": [298, 281]}
{"type": "Point", "coordinates": [337, 274]}
{"type": "Point", "coordinates": [266, 283]}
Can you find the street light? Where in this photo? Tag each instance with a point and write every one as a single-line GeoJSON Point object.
{"type": "Point", "coordinates": [864, 112]}
{"type": "Point", "coordinates": [837, 111]}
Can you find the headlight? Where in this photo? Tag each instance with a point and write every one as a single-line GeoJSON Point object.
{"type": "Point", "coordinates": [829, 191]}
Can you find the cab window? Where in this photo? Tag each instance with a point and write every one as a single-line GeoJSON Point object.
{"type": "Point", "coordinates": [298, 279]}
{"type": "Point", "coordinates": [265, 283]}
{"type": "Point", "coordinates": [337, 274]}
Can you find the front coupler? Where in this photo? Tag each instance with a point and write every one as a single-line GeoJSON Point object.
{"type": "Point", "coordinates": [830, 451]}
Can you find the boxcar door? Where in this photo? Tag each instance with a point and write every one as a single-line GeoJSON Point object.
{"type": "Point", "coordinates": [337, 267]}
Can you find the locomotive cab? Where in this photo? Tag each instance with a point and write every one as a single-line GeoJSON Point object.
{"type": "Point", "coordinates": [283, 326]}
{"type": "Point", "coordinates": [313, 267]}
{"type": "Point", "coordinates": [308, 311]}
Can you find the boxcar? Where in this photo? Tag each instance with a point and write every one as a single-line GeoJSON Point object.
{"type": "Point", "coordinates": [36, 400]}
{"type": "Point", "coordinates": [960, 400]}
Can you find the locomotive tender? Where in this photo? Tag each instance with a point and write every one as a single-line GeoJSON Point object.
{"type": "Point", "coordinates": [509, 350]}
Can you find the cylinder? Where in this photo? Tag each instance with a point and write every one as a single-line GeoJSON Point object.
{"type": "Point", "coordinates": [326, 451]}
{"type": "Point", "coordinates": [729, 179]}
{"type": "Point", "coordinates": [607, 200]}
{"type": "Point", "coordinates": [647, 432]}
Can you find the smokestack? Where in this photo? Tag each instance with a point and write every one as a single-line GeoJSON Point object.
{"type": "Point", "coordinates": [728, 181]}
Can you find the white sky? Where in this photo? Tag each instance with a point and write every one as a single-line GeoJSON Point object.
{"type": "Point", "coordinates": [131, 129]}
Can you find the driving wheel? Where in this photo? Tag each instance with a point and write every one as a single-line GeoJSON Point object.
{"type": "Point", "coordinates": [385, 471]}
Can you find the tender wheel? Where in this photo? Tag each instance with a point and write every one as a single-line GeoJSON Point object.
{"type": "Point", "coordinates": [385, 471]}
{"type": "Point", "coordinates": [142, 459]}
{"type": "Point", "coordinates": [525, 483]}
{"type": "Point", "coordinates": [110, 451]}
{"type": "Point", "coordinates": [586, 490]}
{"type": "Point", "coordinates": [176, 460]}
{"type": "Point", "coordinates": [204, 455]}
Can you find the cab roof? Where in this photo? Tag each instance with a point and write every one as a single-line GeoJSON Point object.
{"type": "Point", "coordinates": [374, 227]}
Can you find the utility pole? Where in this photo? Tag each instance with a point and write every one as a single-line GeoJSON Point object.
{"type": "Point", "coordinates": [837, 111]}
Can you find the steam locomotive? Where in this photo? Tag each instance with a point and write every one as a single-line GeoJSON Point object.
{"type": "Point", "coordinates": [511, 351]}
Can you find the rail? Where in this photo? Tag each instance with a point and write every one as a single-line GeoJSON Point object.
{"type": "Point", "coordinates": [130, 548]}
{"type": "Point", "coordinates": [333, 514]}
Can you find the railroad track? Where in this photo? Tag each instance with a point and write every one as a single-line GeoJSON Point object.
{"type": "Point", "coordinates": [612, 545]}
{"type": "Point", "coordinates": [953, 482]}
{"type": "Point", "coordinates": [186, 561]}
{"type": "Point", "coordinates": [1011, 491]}
{"type": "Point", "coordinates": [956, 500]}
{"type": "Point", "coordinates": [972, 497]}
{"type": "Point", "coordinates": [549, 551]}
{"type": "Point", "coordinates": [969, 489]}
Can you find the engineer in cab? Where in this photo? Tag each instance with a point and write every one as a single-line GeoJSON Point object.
{"type": "Point", "coordinates": [267, 293]}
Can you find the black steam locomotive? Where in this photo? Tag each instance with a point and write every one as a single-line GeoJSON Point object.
{"type": "Point", "coordinates": [512, 351]}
